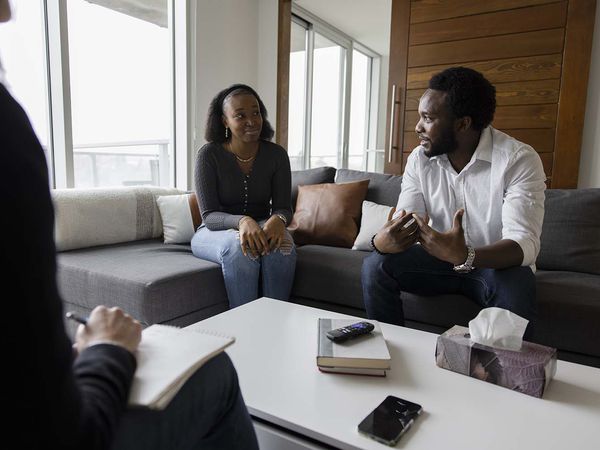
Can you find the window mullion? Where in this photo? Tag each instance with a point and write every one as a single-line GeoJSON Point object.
{"type": "Point", "coordinates": [60, 93]}
{"type": "Point", "coordinates": [345, 98]}
{"type": "Point", "coordinates": [181, 86]}
{"type": "Point", "coordinates": [310, 46]}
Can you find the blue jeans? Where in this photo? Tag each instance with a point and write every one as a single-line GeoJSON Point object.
{"type": "Point", "coordinates": [242, 274]}
{"type": "Point", "coordinates": [207, 413]}
{"type": "Point", "coordinates": [384, 277]}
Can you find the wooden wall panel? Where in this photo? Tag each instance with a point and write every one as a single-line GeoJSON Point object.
{"type": "Point", "coordinates": [571, 111]}
{"type": "Point", "coordinates": [552, 15]}
{"type": "Point", "coordinates": [283, 71]}
{"type": "Point", "coordinates": [539, 67]}
{"type": "Point", "coordinates": [541, 139]}
{"type": "Point", "coordinates": [483, 49]}
{"type": "Point", "coordinates": [507, 117]}
{"type": "Point", "coordinates": [519, 93]}
{"type": "Point", "coordinates": [535, 52]}
{"type": "Point", "coordinates": [430, 10]}
{"type": "Point", "coordinates": [397, 77]}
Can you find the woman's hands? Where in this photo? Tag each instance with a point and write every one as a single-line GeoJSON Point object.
{"type": "Point", "coordinates": [252, 238]}
{"type": "Point", "coordinates": [256, 241]}
{"type": "Point", "coordinates": [274, 230]}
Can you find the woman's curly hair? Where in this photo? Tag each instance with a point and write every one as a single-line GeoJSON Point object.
{"type": "Point", "coordinates": [215, 130]}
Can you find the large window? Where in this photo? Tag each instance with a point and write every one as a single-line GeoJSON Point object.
{"type": "Point", "coordinates": [97, 80]}
{"type": "Point", "coordinates": [331, 106]}
{"type": "Point", "coordinates": [120, 68]}
{"type": "Point", "coordinates": [22, 53]}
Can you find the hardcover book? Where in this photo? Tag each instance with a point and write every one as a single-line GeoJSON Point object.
{"type": "Point", "coordinates": [354, 371]}
{"type": "Point", "coordinates": [367, 354]}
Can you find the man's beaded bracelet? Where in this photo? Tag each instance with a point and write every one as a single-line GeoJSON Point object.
{"type": "Point", "coordinates": [375, 249]}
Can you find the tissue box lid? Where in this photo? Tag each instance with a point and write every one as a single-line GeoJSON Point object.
{"type": "Point", "coordinates": [528, 370]}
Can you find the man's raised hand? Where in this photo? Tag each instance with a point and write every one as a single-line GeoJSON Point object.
{"type": "Point", "coordinates": [449, 246]}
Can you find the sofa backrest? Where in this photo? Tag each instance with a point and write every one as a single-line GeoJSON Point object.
{"type": "Point", "coordinates": [571, 231]}
{"type": "Point", "coordinates": [570, 238]}
{"type": "Point", "coordinates": [90, 217]}
{"type": "Point", "coordinates": [384, 189]}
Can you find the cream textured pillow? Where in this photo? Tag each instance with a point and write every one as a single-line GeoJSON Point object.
{"type": "Point", "coordinates": [374, 217]}
{"type": "Point", "coordinates": [180, 217]}
{"type": "Point", "coordinates": [103, 216]}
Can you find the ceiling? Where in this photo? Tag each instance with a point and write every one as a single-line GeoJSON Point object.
{"type": "Point", "coordinates": [367, 21]}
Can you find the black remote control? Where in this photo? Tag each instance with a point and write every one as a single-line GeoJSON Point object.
{"type": "Point", "coordinates": [350, 331]}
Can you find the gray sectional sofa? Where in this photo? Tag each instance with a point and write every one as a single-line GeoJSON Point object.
{"type": "Point", "coordinates": [160, 283]}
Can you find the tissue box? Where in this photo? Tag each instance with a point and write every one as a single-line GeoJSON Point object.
{"type": "Point", "coordinates": [528, 370]}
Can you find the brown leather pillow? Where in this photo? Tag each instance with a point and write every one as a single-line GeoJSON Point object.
{"type": "Point", "coordinates": [195, 210]}
{"type": "Point", "coordinates": [328, 213]}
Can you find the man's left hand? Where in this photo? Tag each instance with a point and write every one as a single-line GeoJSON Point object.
{"type": "Point", "coordinates": [449, 246]}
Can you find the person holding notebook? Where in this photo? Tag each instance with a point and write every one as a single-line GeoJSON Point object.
{"type": "Point", "coordinates": [65, 397]}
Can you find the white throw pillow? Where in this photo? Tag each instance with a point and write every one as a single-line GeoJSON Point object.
{"type": "Point", "coordinates": [178, 225]}
{"type": "Point", "coordinates": [373, 218]}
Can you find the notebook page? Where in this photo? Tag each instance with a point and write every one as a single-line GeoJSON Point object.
{"type": "Point", "coordinates": [166, 358]}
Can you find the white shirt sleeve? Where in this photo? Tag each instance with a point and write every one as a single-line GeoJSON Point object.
{"type": "Point", "coordinates": [411, 195]}
{"type": "Point", "coordinates": [523, 207]}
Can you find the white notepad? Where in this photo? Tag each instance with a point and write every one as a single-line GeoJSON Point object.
{"type": "Point", "coordinates": [166, 358]}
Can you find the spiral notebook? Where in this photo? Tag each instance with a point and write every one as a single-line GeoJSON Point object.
{"type": "Point", "coordinates": [166, 358]}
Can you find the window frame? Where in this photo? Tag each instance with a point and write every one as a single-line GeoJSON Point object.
{"type": "Point", "coordinates": [60, 139]}
{"type": "Point", "coordinates": [313, 24]}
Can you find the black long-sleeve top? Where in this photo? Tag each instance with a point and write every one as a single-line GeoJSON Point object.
{"type": "Point", "coordinates": [225, 194]}
{"type": "Point", "coordinates": [53, 401]}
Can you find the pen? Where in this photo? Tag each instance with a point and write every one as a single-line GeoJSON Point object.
{"type": "Point", "coordinates": [76, 318]}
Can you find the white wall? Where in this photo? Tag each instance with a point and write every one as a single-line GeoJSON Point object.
{"type": "Point", "coordinates": [589, 167]}
{"type": "Point", "coordinates": [226, 52]}
{"type": "Point", "coordinates": [236, 42]}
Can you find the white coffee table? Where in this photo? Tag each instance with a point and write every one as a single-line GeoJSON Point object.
{"type": "Point", "coordinates": [275, 358]}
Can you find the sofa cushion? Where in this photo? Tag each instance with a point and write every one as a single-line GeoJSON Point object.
{"type": "Point", "coordinates": [571, 231]}
{"type": "Point", "coordinates": [383, 188]}
{"type": "Point", "coordinates": [153, 282]}
{"type": "Point", "coordinates": [328, 213]}
{"type": "Point", "coordinates": [317, 175]}
{"type": "Point", "coordinates": [569, 311]}
{"type": "Point", "coordinates": [329, 274]}
{"type": "Point", "coordinates": [90, 217]}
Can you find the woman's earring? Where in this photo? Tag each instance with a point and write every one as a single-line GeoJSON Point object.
{"type": "Point", "coordinates": [226, 132]}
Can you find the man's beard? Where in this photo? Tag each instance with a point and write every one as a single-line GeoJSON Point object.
{"type": "Point", "coordinates": [446, 143]}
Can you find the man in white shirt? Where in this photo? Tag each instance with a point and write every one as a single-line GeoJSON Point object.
{"type": "Point", "coordinates": [477, 199]}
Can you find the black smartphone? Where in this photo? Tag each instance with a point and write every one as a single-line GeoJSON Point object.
{"type": "Point", "coordinates": [390, 420]}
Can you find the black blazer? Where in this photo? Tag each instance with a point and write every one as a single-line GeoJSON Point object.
{"type": "Point", "coordinates": [53, 401]}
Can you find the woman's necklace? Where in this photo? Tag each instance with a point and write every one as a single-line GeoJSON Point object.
{"type": "Point", "coordinates": [242, 160]}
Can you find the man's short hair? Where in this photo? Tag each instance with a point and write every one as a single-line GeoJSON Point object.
{"type": "Point", "coordinates": [468, 93]}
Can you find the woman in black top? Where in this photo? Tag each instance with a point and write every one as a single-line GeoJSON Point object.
{"type": "Point", "coordinates": [243, 185]}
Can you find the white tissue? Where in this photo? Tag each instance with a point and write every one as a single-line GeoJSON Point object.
{"type": "Point", "coordinates": [498, 327]}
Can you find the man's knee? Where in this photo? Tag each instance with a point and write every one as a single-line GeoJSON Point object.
{"type": "Point", "coordinates": [372, 266]}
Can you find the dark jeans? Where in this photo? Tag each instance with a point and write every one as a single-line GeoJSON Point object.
{"type": "Point", "coordinates": [417, 272]}
{"type": "Point", "coordinates": [207, 413]}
